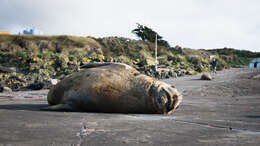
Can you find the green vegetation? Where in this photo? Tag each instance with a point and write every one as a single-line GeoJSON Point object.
{"type": "Point", "coordinates": [37, 58]}
{"type": "Point", "coordinates": [234, 57]}
{"type": "Point", "coordinates": [147, 34]}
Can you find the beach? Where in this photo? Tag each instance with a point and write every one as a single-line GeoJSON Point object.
{"type": "Point", "coordinates": [223, 111]}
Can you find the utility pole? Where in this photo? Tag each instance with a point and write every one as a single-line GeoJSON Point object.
{"type": "Point", "coordinates": [156, 61]}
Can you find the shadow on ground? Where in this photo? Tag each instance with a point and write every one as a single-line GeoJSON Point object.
{"type": "Point", "coordinates": [253, 116]}
{"type": "Point", "coordinates": [26, 107]}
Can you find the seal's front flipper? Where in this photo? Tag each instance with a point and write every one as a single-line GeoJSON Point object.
{"type": "Point", "coordinates": [59, 107]}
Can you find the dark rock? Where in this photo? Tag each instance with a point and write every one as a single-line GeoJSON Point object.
{"type": "Point", "coordinates": [157, 74]}
{"type": "Point", "coordinates": [153, 68]}
{"type": "Point", "coordinates": [163, 74]}
{"type": "Point", "coordinates": [2, 87]}
{"type": "Point", "coordinates": [181, 72]}
{"type": "Point", "coordinates": [148, 73]}
{"type": "Point", "coordinates": [35, 86]}
{"type": "Point", "coordinates": [172, 73]}
{"type": "Point", "coordinates": [13, 77]}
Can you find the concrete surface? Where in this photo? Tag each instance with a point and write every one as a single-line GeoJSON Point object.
{"type": "Point", "coordinates": [225, 111]}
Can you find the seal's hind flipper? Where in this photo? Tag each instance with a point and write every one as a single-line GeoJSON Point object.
{"type": "Point", "coordinates": [95, 64]}
{"type": "Point", "coordinates": [59, 107]}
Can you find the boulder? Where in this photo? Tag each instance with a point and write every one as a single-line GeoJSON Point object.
{"type": "Point", "coordinates": [172, 73]}
{"type": "Point", "coordinates": [4, 88]}
{"type": "Point", "coordinates": [7, 90]}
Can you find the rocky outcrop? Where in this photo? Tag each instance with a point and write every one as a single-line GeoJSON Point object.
{"type": "Point", "coordinates": [160, 73]}
{"type": "Point", "coordinates": [41, 84]}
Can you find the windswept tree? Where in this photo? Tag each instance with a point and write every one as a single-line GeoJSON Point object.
{"type": "Point", "coordinates": [147, 34]}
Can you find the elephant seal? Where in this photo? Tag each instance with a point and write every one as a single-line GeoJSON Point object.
{"type": "Point", "coordinates": [206, 76]}
{"type": "Point", "coordinates": [112, 87]}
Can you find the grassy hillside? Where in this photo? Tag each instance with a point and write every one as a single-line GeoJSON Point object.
{"type": "Point", "coordinates": [38, 58]}
{"type": "Point", "coordinates": [235, 57]}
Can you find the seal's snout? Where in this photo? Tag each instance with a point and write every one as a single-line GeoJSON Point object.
{"type": "Point", "coordinates": [171, 98]}
{"type": "Point", "coordinates": [176, 97]}
{"type": "Point", "coordinates": [165, 97]}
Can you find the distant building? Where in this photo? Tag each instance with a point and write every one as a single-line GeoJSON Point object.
{"type": "Point", "coordinates": [31, 31]}
{"type": "Point", "coordinates": [255, 63]}
{"type": "Point", "coordinates": [4, 33]}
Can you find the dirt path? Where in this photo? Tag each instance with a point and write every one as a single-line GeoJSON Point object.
{"type": "Point", "coordinates": [225, 111]}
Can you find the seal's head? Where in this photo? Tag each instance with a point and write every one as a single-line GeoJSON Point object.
{"type": "Point", "coordinates": [166, 98]}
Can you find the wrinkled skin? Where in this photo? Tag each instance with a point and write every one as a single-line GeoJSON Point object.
{"type": "Point", "coordinates": [113, 87]}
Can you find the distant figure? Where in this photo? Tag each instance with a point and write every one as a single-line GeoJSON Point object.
{"type": "Point", "coordinates": [214, 65]}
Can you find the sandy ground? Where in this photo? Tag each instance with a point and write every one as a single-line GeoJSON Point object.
{"type": "Point", "coordinates": [225, 111]}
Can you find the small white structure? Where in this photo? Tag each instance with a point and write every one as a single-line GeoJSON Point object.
{"type": "Point", "coordinates": [255, 63]}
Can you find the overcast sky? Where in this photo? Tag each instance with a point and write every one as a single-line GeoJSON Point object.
{"type": "Point", "coordinates": [188, 23]}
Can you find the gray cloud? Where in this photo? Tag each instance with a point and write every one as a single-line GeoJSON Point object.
{"type": "Point", "coordinates": [188, 23]}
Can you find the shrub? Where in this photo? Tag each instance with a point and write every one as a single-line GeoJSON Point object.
{"type": "Point", "coordinates": [221, 64]}
{"type": "Point", "coordinates": [196, 60]}
{"type": "Point", "coordinates": [125, 60]}
{"type": "Point", "coordinates": [163, 60]}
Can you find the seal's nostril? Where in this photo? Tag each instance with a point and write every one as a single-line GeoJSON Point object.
{"type": "Point", "coordinates": [163, 100]}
